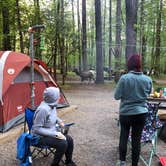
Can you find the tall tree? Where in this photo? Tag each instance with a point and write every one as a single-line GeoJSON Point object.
{"type": "Point", "coordinates": [131, 31]}
{"type": "Point", "coordinates": [110, 38]}
{"type": "Point", "coordinates": [99, 55]}
{"type": "Point", "coordinates": [118, 41]}
{"type": "Point", "coordinates": [92, 39]}
{"type": "Point", "coordinates": [73, 31]}
{"type": "Point", "coordinates": [158, 38]}
{"type": "Point", "coordinates": [142, 34]}
{"type": "Point", "coordinates": [79, 34]}
{"type": "Point", "coordinates": [19, 25]}
{"type": "Point", "coordinates": [37, 21]}
{"type": "Point", "coordinates": [6, 26]}
{"type": "Point", "coordinates": [1, 31]}
{"type": "Point", "coordinates": [62, 44]}
{"type": "Point", "coordinates": [104, 30]}
{"type": "Point", "coordinates": [56, 27]}
{"type": "Point", "coordinates": [151, 28]}
{"type": "Point", "coordinates": [84, 36]}
{"type": "Point", "coordinates": [153, 46]}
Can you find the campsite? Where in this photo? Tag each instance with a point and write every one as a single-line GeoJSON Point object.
{"type": "Point", "coordinates": [95, 114]}
{"type": "Point", "coordinates": [95, 67]}
{"type": "Point", "coordinates": [95, 131]}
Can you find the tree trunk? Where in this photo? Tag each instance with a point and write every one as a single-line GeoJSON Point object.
{"type": "Point", "coordinates": [92, 41]}
{"type": "Point", "coordinates": [142, 36]}
{"type": "Point", "coordinates": [79, 35]}
{"type": "Point", "coordinates": [118, 41]}
{"type": "Point", "coordinates": [118, 36]}
{"type": "Point", "coordinates": [73, 32]}
{"type": "Point", "coordinates": [110, 39]}
{"type": "Point", "coordinates": [37, 21]}
{"type": "Point", "coordinates": [1, 27]}
{"type": "Point", "coordinates": [84, 38]}
{"type": "Point", "coordinates": [19, 26]}
{"type": "Point", "coordinates": [55, 45]}
{"type": "Point", "coordinates": [99, 56]}
{"type": "Point", "coordinates": [131, 21]}
{"type": "Point", "coordinates": [62, 44]}
{"type": "Point", "coordinates": [6, 28]}
{"type": "Point", "coordinates": [158, 39]}
{"type": "Point", "coordinates": [104, 32]}
{"type": "Point", "coordinates": [153, 45]}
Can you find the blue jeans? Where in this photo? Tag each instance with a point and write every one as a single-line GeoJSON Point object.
{"type": "Point", "coordinates": [136, 123]}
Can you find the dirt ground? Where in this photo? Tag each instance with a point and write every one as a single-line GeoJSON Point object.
{"type": "Point", "coordinates": [95, 133]}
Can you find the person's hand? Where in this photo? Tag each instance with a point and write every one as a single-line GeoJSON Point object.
{"type": "Point", "coordinates": [62, 124]}
{"type": "Point", "coordinates": [59, 135]}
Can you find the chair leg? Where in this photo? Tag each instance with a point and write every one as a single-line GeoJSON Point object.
{"type": "Point", "coordinates": [152, 153]}
{"type": "Point", "coordinates": [44, 152]}
{"type": "Point", "coordinates": [36, 152]}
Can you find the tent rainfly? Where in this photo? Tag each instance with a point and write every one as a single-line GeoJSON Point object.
{"type": "Point", "coordinates": [15, 87]}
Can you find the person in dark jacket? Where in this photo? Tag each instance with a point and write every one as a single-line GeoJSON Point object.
{"type": "Point", "coordinates": [44, 124]}
{"type": "Point", "coordinates": [132, 90]}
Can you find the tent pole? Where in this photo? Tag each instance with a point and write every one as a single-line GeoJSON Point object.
{"type": "Point", "coordinates": [31, 30]}
{"type": "Point", "coordinates": [32, 70]}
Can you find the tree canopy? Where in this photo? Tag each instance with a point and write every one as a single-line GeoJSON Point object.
{"type": "Point", "coordinates": [91, 34]}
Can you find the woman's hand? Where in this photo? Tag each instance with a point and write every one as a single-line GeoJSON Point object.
{"type": "Point", "coordinates": [62, 124]}
{"type": "Point", "coordinates": [59, 135]}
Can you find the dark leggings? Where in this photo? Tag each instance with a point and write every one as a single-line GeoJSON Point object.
{"type": "Point", "coordinates": [62, 147]}
{"type": "Point", "coordinates": [136, 123]}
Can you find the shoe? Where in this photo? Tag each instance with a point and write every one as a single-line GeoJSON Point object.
{"type": "Point", "coordinates": [71, 163]}
{"type": "Point", "coordinates": [54, 164]}
{"type": "Point", "coordinates": [121, 163]}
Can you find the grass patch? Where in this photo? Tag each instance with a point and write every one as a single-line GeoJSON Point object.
{"type": "Point", "coordinates": [65, 87]}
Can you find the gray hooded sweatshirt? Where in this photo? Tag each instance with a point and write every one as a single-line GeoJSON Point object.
{"type": "Point", "coordinates": [45, 117]}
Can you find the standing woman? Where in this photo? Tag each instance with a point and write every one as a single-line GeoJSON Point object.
{"type": "Point", "coordinates": [132, 90]}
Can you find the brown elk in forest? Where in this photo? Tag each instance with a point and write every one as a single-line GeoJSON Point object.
{"type": "Point", "coordinates": [85, 75]}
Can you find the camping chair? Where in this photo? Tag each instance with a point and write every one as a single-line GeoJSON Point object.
{"type": "Point", "coordinates": [149, 135]}
{"type": "Point", "coordinates": [37, 149]}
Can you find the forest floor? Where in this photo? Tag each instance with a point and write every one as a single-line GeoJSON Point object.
{"type": "Point", "coordinates": [95, 133]}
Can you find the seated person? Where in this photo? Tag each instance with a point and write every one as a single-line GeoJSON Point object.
{"type": "Point", "coordinates": [44, 124]}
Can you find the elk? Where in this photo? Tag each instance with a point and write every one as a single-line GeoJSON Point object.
{"type": "Point", "coordinates": [85, 75]}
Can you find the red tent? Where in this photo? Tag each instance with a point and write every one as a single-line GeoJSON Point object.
{"type": "Point", "coordinates": [15, 87]}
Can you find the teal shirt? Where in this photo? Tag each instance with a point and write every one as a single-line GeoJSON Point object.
{"type": "Point", "coordinates": [132, 90]}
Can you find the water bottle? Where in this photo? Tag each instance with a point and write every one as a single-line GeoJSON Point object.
{"type": "Point", "coordinates": [164, 92]}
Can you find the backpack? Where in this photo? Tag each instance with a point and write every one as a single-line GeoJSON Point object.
{"type": "Point", "coordinates": [23, 149]}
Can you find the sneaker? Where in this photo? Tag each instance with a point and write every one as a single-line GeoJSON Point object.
{"type": "Point", "coordinates": [121, 163]}
{"type": "Point", "coordinates": [71, 163]}
{"type": "Point", "coordinates": [54, 164]}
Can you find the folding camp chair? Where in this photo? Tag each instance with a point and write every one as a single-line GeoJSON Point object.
{"type": "Point", "coordinates": [149, 135]}
{"type": "Point", "coordinates": [36, 148]}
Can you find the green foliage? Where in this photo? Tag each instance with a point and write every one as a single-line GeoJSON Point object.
{"type": "Point", "coordinates": [51, 18]}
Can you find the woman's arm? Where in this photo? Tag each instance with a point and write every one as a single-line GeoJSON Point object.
{"type": "Point", "coordinates": [118, 90]}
